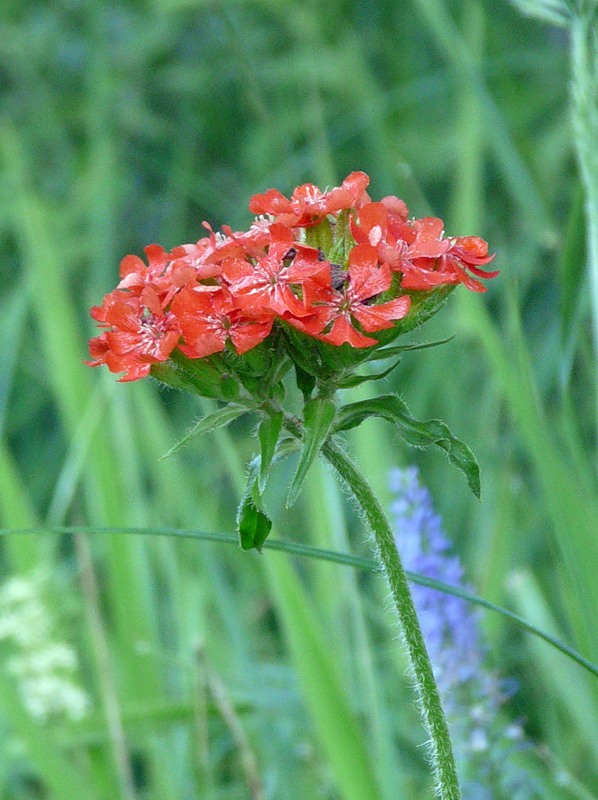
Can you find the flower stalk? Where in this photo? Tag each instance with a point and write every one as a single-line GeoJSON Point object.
{"type": "Point", "coordinates": [430, 705]}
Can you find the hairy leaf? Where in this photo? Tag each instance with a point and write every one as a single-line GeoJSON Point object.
{"type": "Point", "coordinates": [388, 352]}
{"type": "Point", "coordinates": [356, 380]}
{"type": "Point", "coordinates": [217, 419]}
{"type": "Point", "coordinates": [415, 432]}
{"type": "Point", "coordinates": [268, 434]}
{"type": "Point", "coordinates": [319, 415]}
{"type": "Point", "coordinates": [253, 523]}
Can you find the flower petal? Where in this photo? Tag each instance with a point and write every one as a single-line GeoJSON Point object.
{"type": "Point", "coordinates": [376, 318]}
{"type": "Point", "coordinates": [343, 332]}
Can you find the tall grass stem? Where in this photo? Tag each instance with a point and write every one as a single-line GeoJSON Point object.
{"type": "Point", "coordinates": [584, 66]}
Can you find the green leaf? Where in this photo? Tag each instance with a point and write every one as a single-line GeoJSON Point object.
{"type": "Point", "coordinates": [253, 523]}
{"type": "Point", "coordinates": [319, 415]}
{"type": "Point", "coordinates": [218, 419]}
{"type": "Point", "coordinates": [416, 433]}
{"type": "Point", "coordinates": [356, 380]}
{"type": "Point", "coordinates": [268, 434]}
{"type": "Point", "coordinates": [401, 348]}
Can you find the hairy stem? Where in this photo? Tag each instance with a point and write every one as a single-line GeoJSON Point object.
{"type": "Point", "coordinates": [430, 705]}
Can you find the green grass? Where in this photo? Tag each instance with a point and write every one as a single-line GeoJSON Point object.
{"type": "Point", "coordinates": [125, 124]}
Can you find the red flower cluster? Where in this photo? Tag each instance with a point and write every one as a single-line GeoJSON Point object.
{"type": "Point", "coordinates": [233, 287]}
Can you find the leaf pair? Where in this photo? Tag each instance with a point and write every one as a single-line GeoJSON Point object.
{"type": "Point", "coordinates": [321, 419]}
{"type": "Point", "coordinates": [318, 419]}
{"type": "Point", "coordinates": [253, 524]}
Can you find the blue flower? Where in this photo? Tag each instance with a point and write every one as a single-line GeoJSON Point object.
{"type": "Point", "coordinates": [472, 695]}
{"type": "Point", "coordinates": [449, 623]}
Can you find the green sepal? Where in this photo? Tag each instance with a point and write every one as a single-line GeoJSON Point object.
{"type": "Point", "coordinates": [336, 255]}
{"type": "Point", "coordinates": [318, 418]}
{"type": "Point", "coordinates": [319, 236]}
{"type": "Point", "coordinates": [303, 350]}
{"type": "Point", "coordinates": [356, 380]}
{"type": "Point", "coordinates": [230, 388]}
{"type": "Point", "coordinates": [253, 523]}
{"type": "Point", "coordinates": [268, 434]}
{"type": "Point", "coordinates": [343, 240]}
{"type": "Point", "coordinates": [306, 382]}
{"type": "Point", "coordinates": [257, 361]}
{"type": "Point", "coordinates": [416, 433]}
{"type": "Point", "coordinates": [202, 376]}
{"type": "Point", "coordinates": [217, 419]}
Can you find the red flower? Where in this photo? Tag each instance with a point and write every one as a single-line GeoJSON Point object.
{"type": "Point", "coordinates": [418, 249]}
{"type": "Point", "coordinates": [197, 259]}
{"type": "Point", "coordinates": [163, 277]}
{"type": "Point", "coordinates": [137, 337]}
{"type": "Point", "coordinates": [266, 285]}
{"type": "Point", "coordinates": [206, 256]}
{"type": "Point", "coordinates": [308, 204]}
{"type": "Point", "coordinates": [135, 275]}
{"type": "Point", "coordinates": [365, 281]}
{"type": "Point", "coordinates": [433, 261]}
{"type": "Point", "coordinates": [383, 225]}
{"type": "Point", "coordinates": [208, 319]}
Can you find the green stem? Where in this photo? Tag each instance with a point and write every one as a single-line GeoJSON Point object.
{"type": "Point", "coordinates": [584, 64]}
{"type": "Point", "coordinates": [430, 705]}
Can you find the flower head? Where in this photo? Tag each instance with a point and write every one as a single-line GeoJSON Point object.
{"type": "Point", "coordinates": [331, 265]}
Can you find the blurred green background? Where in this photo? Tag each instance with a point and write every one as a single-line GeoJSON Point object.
{"type": "Point", "coordinates": [204, 672]}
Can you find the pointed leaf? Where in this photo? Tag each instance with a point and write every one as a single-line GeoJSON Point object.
{"type": "Point", "coordinates": [401, 348]}
{"type": "Point", "coordinates": [319, 415]}
{"type": "Point", "coordinates": [253, 523]}
{"type": "Point", "coordinates": [416, 433]}
{"type": "Point", "coordinates": [268, 433]}
{"type": "Point", "coordinates": [356, 380]}
{"type": "Point", "coordinates": [217, 419]}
